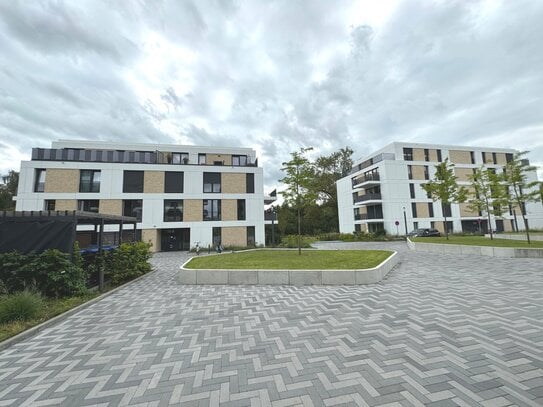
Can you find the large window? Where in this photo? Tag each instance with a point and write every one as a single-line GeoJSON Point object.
{"type": "Point", "coordinates": [88, 205]}
{"type": "Point", "coordinates": [251, 240]}
{"type": "Point", "coordinates": [431, 209]}
{"type": "Point", "coordinates": [212, 182]}
{"type": "Point", "coordinates": [133, 181]}
{"type": "Point", "coordinates": [250, 183]}
{"type": "Point", "coordinates": [89, 181]}
{"type": "Point", "coordinates": [173, 210]}
{"type": "Point", "coordinates": [239, 160]}
{"type": "Point", "coordinates": [241, 209]}
{"type": "Point", "coordinates": [212, 209]}
{"type": "Point", "coordinates": [49, 205]}
{"type": "Point", "coordinates": [408, 154]}
{"type": "Point", "coordinates": [133, 207]}
{"type": "Point", "coordinates": [409, 172]}
{"type": "Point", "coordinates": [201, 159]}
{"type": "Point", "coordinates": [412, 191]}
{"type": "Point", "coordinates": [446, 208]}
{"type": "Point", "coordinates": [180, 158]}
{"type": "Point", "coordinates": [173, 182]}
{"type": "Point", "coordinates": [217, 236]}
{"type": "Point", "coordinates": [414, 209]}
{"type": "Point", "coordinates": [39, 180]}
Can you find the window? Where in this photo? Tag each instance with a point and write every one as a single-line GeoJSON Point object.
{"type": "Point", "coordinates": [89, 181]}
{"type": "Point", "coordinates": [412, 190]}
{"type": "Point", "coordinates": [408, 154]}
{"type": "Point", "coordinates": [241, 209]}
{"type": "Point", "coordinates": [426, 155]}
{"type": "Point", "coordinates": [508, 157]}
{"type": "Point", "coordinates": [239, 160]}
{"type": "Point", "coordinates": [446, 210]}
{"type": "Point", "coordinates": [414, 209]}
{"type": "Point", "coordinates": [88, 205]}
{"type": "Point", "coordinates": [218, 162]}
{"type": "Point", "coordinates": [212, 182]}
{"type": "Point", "coordinates": [431, 209]}
{"type": "Point", "coordinates": [49, 205]}
{"type": "Point", "coordinates": [212, 209]}
{"type": "Point", "coordinates": [133, 208]}
{"type": "Point", "coordinates": [410, 172]}
{"type": "Point", "coordinates": [432, 225]}
{"type": "Point", "coordinates": [217, 236]}
{"type": "Point", "coordinates": [133, 181]}
{"type": "Point", "coordinates": [494, 158]}
{"type": "Point", "coordinates": [180, 158]}
{"type": "Point", "coordinates": [250, 183]}
{"type": "Point", "coordinates": [426, 174]}
{"type": "Point", "coordinates": [201, 159]}
{"type": "Point", "coordinates": [472, 156]}
{"type": "Point", "coordinates": [173, 182]}
{"type": "Point", "coordinates": [439, 155]}
{"type": "Point", "coordinates": [251, 240]}
{"type": "Point", "coordinates": [173, 210]}
{"type": "Point", "coordinates": [39, 180]}
{"type": "Point", "coordinates": [415, 225]}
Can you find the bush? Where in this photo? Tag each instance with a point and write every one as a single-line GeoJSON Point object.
{"type": "Point", "coordinates": [291, 241]}
{"type": "Point", "coordinates": [129, 261]}
{"type": "Point", "coordinates": [20, 306]}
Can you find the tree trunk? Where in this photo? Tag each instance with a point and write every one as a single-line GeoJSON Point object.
{"type": "Point", "coordinates": [489, 226]}
{"type": "Point", "coordinates": [446, 228]}
{"type": "Point", "coordinates": [299, 233]}
{"type": "Point", "coordinates": [525, 222]}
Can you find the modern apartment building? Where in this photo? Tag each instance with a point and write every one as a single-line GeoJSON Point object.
{"type": "Point", "coordinates": [180, 195]}
{"type": "Point", "coordinates": [384, 188]}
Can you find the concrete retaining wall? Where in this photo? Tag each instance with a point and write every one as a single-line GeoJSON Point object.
{"type": "Point", "coordinates": [288, 277]}
{"type": "Point", "coordinates": [477, 250]}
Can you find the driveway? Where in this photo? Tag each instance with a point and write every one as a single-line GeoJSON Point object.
{"type": "Point", "coordinates": [439, 330]}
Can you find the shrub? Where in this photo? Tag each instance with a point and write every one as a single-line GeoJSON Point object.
{"type": "Point", "coordinates": [291, 241]}
{"type": "Point", "coordinates": [129, 261]}
{"type": "Point", "coordinates": [14, 273]}
{"type": "Point", "coordinates": [20, 306]}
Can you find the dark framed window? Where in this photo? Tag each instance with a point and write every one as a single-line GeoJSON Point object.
{"type": "Point", "coordinates": [180, 158]}
{"type": "Point", "coordinates": [212, 182]}
{"type": "Point", "coordinates": [133, 181]}
{"type": "Point", "coordinates": [216, 236]}
{"type": "Point", "coordinates": [472, 157]}
{"type": "Point", "coordinates": [173, 210]}
{"type": "Point", "coordinates": [241, 209]}
{"type": "Point", "coordinates": [412, 190]}
{"type": "Point", "coordinates": [133, 207]}
{"type": "Point", "coordinates": [89, 180]}
{"type": "Point", "coordinates": [239, 160]}
{"type": "Point", "coordinates": [415, 225]}
{"type": "Point", "coordinates": [173, 182]}
{"type": "Point", "coordinates": [426, 173]}
{"type": "Point", "coordinates": [410, 172]}
{"type": "Point", "coordinates": [508, 157]}
{"type": "Point", "coordinates": [414, 209]}
{"type": "Point", "coordinates": [483, 154]}
{"type": "Point", "coordinates": [218, 162]}
{"type": "Point", "coordinates": [201, 159]}
{"type": "Point", "coordinates": [494, 158]}
{"type": "Point", "coordinates": [408, 154]}
{"type": "Point", "coordinates": [39, 179]}
{"type": "Point", "coordinates": [88, 205]}
{"type": "Point", "coordinates": [49, 205]}
{"type": "Point", "coordinates": [250, 183]}
{"type": "Point", "coordinates": [212, 209]}
{"type": "Point", "coordinates": [439, 155]}
{"type": "Point", "coordinates": [431, 209]}
{"type": "Point", "coordinates": [446, 208]}
{"type": "Point", "coordinates": [426, 155]}
{"type": "Point", "coordinates": [251, 237]}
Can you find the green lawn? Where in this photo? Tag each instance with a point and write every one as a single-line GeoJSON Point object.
{"type": "Point", "coordinates": [479, 241]}
{"type": "Point", "coordinates": [290, 260]}
{"type": "Point", "coordinates": [52, 308]}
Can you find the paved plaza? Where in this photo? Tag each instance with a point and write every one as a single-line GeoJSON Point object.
{"type": "Point", "coordinates": [440, 330]}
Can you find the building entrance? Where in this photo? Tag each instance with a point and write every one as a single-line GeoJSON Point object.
{"type": "Point", "coordinates": [175, 239]}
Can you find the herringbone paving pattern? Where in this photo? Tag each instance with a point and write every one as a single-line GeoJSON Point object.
{"type": "Point", "coordinates": [440, 330]}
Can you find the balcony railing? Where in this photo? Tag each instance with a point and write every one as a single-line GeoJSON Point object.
{"type": "Point", "coordinates": [366, 216]}
{"type": "Point", "coordinates": [371, 161]}
{"type": "Point", "coordinates": [365, 178]}
{"type": "Point", "coordinates": [367, 197]}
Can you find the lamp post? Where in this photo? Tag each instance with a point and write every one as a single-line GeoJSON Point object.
{"type": "Point", "coordinates": [405, 222]}
{"type": "Point", "coordinates": [272, 211]}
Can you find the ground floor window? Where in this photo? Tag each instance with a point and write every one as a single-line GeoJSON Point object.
{"type": "Point", "coordinates": [133, 208]}
{"type": "Point", "coordinates": [88, 205]}
{"type": "Point", "coordinates": [251, 239]}
{"type": "Point", "coordinates": [217, 236]}
{"type": "Point", "coordinates": [49, 205]}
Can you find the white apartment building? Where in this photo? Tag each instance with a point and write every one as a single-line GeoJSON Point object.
{"type": "Point", "coordinates": [181, 195]}
{"type": "Point", "coordinates": [384, 188]}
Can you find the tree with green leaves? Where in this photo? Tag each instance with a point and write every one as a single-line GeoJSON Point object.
{"type": "Point", "coordinates": [521, 189]}
{"type": "Point", "coordinates": [487, 194]}
{"type": "Point", "coordinates": [298, 179]}
{"type": "Point", "coordinates": [327, 170]}
{"type": "Point", "coordinates": [8, 189]}
{"type": "Point", "coordinates": [444, 187]}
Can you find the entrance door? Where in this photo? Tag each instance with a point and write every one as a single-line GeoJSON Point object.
{"type": "Point", "coordinates": [175, 239]}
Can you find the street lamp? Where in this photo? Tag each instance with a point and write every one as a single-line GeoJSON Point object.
{"type": "Point", "coordinates": [405, 222]}
{"type": "Point", "coordinates": [272, 211]}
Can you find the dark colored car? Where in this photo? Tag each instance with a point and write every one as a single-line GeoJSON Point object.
{"type": "Point", "coordinates": [424, 233]}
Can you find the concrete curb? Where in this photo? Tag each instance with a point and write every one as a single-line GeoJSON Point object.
{"type": "Point", "coordinates": [288, 277]}
{"type": "Point", "coordinates": [533, 236]}
{"type": "Point", "coordinates": [61, 317]}
{"type": "Point", "coordinates": [490, 251]}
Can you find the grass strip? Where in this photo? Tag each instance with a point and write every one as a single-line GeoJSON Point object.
{"type": "Point", "coordinates": [480, 241]}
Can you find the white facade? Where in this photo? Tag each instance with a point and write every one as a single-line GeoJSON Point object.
{"type": "Point", "coordinates": [111, 193]}
{"type": "Point", "coordinates": [379, 190]}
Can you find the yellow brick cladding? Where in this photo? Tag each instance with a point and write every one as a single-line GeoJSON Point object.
{"type": "Point", "coordinates": [463, 173]}
{"type": "Point", "coordinates": [65, 205]}
{"type": "Point", "coordinates": [459, 157]}
{"type": "Point", "coordinates": [226, 159]}
{"type": "Point", "coordinates": [229, 209]}
{"type": "Point", "coordinates": [153, 182]}
{"type": "Point", "coordinates": [151, 236]}
{"type": "Point", "coordinates": [422, 210]}
{"type": "Point", "coordinates": [234, 236]}
{"type": "Point", "coordinates": [233, 183]}
{"type": "Point", "coordinates": [111, 206]}
{"type": "Point", "coordinates": [417, 171]}
{"type": "Point", "coordinates": [465, 211]}
{"type": "Point", "coordinates": [61, 180]}
{"type": "Point", "coordinates": [418, 154]}
{"type": "Point", "coordinates": [192, 210]}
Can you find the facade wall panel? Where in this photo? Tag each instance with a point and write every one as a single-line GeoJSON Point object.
{"type": "Point", "coordinates": [233, 183]}
{"type": "Point", "coordinates": [61, 181]}
{"type": "Point", "coordinates": [153, 182]}
{"type": "Point", "coordinates": [234, 236]}
{"type": "Point", "coordinates": [459, 157]}
{"type": "Point", "coordinates": [193, 210]}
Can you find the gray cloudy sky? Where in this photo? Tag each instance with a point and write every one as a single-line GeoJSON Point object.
{"type": "Point", "coordinates": [272, 75]}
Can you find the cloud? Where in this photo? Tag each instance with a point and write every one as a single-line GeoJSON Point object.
{"type": "Point", "coordinates": [275, 76]}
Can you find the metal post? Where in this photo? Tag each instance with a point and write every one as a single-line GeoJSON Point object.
{"type": "Point", "coordinates": [121, 233]}
{"type": "Point", "coordinates": [100, 254]}
{"type": "Point", "coordinates": [405, 222]}
{"type": "Point", "coordinates": [273, 227]}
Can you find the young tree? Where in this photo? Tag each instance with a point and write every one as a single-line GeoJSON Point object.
{"type": "Point", "coordinates": [298, 179]}
{"type": "Point", "coordinates": [487, 194]}
{"type": "Point", "coordinates": [8, 189]}
{"type": "Point", "coordinates": [521, 190]}
{"type": "Point", "coordinates": [445, 188]}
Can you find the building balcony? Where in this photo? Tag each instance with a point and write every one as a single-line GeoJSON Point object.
{"type": "Point", "coordinates": [366, 180]}
{"type": "Point", "coordinates": [371, 161]}
{"type": "Point", "coordinates": [367, 216]}
{"type": "Point", "coordinates": [367, 197]}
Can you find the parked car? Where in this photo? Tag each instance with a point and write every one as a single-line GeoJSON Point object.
{"type": "Point", "coordinates": [424, 233]}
